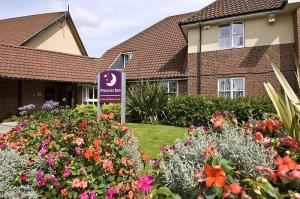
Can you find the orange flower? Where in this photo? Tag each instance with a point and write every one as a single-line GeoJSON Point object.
{"type": "Point", "coordinates": [83, 184]}
{"type": "Point", "coordinates": [131, 162]}
{"type": "Point", "coordinates": [234, 188]}
{"type": "Point", "coordinates": [88, 154]}
{"type": "Point", "coordinates": [120, 143]}
{"type": "Point", "coordinates": [76, 183]}
{"type": "Point", "coordinates": [123, 161]}
{"type": "Point", "coordinates": [97, 143]}
{"type": "Point", "coordinates": [209, 152]}
{"type": "Point", "coordinates": [215, 176]}
{"type": "Point", "coordinates": [258, 137]}
{"type": "Point", "coordinates": [96, 156]}
{"type": "Point", "coordinates": [64, 192]}
{"type": "Point", "coordinates": [145, 157]}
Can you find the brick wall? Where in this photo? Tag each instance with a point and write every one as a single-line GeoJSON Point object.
{"type": "Point", "coordinates": [182, 87]}
{"type": "Point", "coordinates": [297, 31]}
{"type": "Point", "coordinates": [193, 73]}
{"type": "Point", "coordinates": [251, 63]}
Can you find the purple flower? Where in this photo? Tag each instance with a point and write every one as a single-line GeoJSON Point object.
{"type": "Point", "coordinates": [67, 172]}
{"type": "Point", "coordinates": [188, 143]}
{"type": "Point", "coordinates": [43, 151]}
{"type": "Point", "coordinates": [16, 129]}
{"type": "Point", "coordinates": [84, 195]}
{"type": "Point", "coordinates": [92, 195]}
{"type": "Point", "coordinates": [46, 142]}
{"type": "Point", "coordinates": [145, 183]}
{"type": "Point", "coordinates": [53, 180]}
{"type": "Point", "coordinates": [2, 146]}
{"type": "Point", "coordinates": [51, 159]}
{"type": "Point", "coordinates": [111, 192]}
{"type": "Point", "coordinates": [42, 182]}
{"type": "Point", "coordinates": [78, 151]}
{"type": "Point", "coordinates": [23, 123]}
{"type": "Point", "coordinates": [39, 175]}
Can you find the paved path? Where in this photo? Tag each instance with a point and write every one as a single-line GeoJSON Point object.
{"type": "Point", "coordinates": [7, 126]}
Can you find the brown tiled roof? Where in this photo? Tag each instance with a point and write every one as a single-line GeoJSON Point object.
{"type": "Point", "coordinates": [158, 52]}
{"type": "Point", "coordinates": [26, 63]}
{"type": "Point", "coordinates": [15, 31]}
{"type": "Point", "coordinates": [229, 8]}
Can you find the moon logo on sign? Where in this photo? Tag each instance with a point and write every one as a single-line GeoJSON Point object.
{"type": "Point", "coordinates": [110, 79]}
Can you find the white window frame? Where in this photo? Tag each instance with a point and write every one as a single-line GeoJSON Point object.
{"type": "Point", "coordinates": [231, 35]}
{"type": "Point", "coordinates": [85, 95]}
{"type": "Point", "coordinates": [129, 54]}
{"type": "Point", "coordinates": [231, 85]}
{"type": "Point", "coordinates": [167, 83]}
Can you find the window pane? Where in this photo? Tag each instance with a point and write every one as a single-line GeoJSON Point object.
{"type": "Point", "coordinates": [96, 93]}
{"type": "Point", "coordinates": [238, 84]}
{"type": "Point", "coordinates": [222, 85]}
{"type": "Point", "coordinates": [224, 94]}
{"type": "Point", "coordinates": [225, 30]}
{"type": "Point", "coordinates": [238, 40]}
{"type": "Point", "coordinates": [91, 92]}
{"type": "Point", "coordinates": [238, 93]}
{"type": "Point", "coordinates": [173, 87]}
{"type": "Point", "coordinates": [224, 42]}
{"type": "Point", "coordinates": [237, 28]}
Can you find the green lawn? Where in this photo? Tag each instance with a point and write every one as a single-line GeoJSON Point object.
{"type": "Point", "coordinates": [151, 137]}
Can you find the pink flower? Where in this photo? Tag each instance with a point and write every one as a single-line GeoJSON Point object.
{"type": "Point", "coordinates": [267, 142]}
{"type": "Point", "coordinates": [42, 182]}
{"type": "Point", "coordinates": [78, 151]}
{"type": "Point", "coordinates": [46, 142]}
{"type": "Point", "coordinates": [76, 183]}
{"type": "Point", "coordinates": [92, 195]}
{"type": "Point", "coordinates": [295, 174]}
{"type": "Point", "coordinates": [67, 172]}
{"type": "Point", "coordinates": [84, 195]}
{"type": "Point", "coordinates": [43, 151]}
{"type": "Point", "coordinates": [163, 148]}
{"type": "Point", "coordinates": [51, 159]}
{"type": "Point", "coordinates": [111, 192]}
{"type": "Point", "coordinates": [145, 183]}
{"type": "Point", "coordinates": [39, 175]}
{"type": "Point", "coordinates": [289, 141]}
{"type": "Point", "coordinates": [83, 184]}
{"type": "Point", "coordinates": [297, 196]}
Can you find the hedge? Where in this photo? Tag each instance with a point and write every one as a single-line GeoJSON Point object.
{"type": "Point", "coordinates": [197, 110]}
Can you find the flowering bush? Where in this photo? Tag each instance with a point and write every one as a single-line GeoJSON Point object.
{"type": "Point", "coordinates": [184, 159]}
{"type": "Point", "coordinates": [49, 105]}
{"type": "Point", "coordinates": [87, 157]}
{"type": "Point", "coordinates": [26, 109]}
{"type": "Point", "coordinates": [17, 169]}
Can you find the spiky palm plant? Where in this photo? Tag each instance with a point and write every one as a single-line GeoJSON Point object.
{"type": "Point", "coordinates": [287, 107]}
{"type": "Point", "coordinates": [146, 100]}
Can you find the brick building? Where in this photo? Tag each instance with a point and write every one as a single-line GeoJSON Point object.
{"type": "Point", "coordinates": [222, 49]}
{"type": "Point", "coordinates": [42, 58]}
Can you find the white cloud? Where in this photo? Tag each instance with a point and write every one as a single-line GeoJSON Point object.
{"type": "Point", "coordinates": [84, 17]}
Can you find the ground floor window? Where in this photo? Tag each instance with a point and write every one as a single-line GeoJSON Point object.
{"type": "Point", "coordinates": [231, 87]}
{"type": "Point", "coordinates": [171, 88]}
{"type": "Point", "coordinates": [90, 94]}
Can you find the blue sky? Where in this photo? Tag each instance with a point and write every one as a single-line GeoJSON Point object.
{"type": "Point", "coordinates": [104, 23]}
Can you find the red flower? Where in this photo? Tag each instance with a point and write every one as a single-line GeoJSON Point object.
{"type": "Point", "coordinates": [83, 124]}
{"type": "Point", "coordinates": [258, 137]}
{"type": "Point", "coordinates": [289, 141]}
{"type": "Point", "coordinates": [23, 177]}
{"type": "Point", "coordinates": [215, 176]}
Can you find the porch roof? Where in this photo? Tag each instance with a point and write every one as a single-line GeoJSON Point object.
{"type": "Point", "coordinates": [26, 63]}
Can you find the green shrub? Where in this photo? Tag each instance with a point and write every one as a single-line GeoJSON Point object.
{"type": "Point", "coordinates": [180, 163]}
{"type": "Point", "coordinates": [112, 108]}
{"type": "Point", "coordinates": [145, 102]}
{"type": "Point", "coordinates": [12, 165]}
{"type": "Point", "coordinates": [197, 110]}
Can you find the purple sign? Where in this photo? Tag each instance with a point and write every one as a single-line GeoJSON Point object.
{"type": "Point", "coordinates": [110, 87]}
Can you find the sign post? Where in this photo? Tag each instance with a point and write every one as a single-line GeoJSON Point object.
{"type": "Point", "coordinates": [112, 90]}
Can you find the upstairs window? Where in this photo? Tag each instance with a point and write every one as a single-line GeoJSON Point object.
{"type": "Point", "coordinates": [122, 61]}
{"type": "Point", "coordinates": [231, 35]}
{"type": "Point", "coordinates": [231, 87]}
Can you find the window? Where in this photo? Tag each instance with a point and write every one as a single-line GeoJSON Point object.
{"type": "Point", "coordinates": [231, 35]}
{"type": "Point", "coordinates": [90, 94]}
{"type": "Point", "coordinates": [122, 61]}
{"type": "Point", "coordinates": [171, 88]}
{"type": "Point", "coordinates": [231, 87]}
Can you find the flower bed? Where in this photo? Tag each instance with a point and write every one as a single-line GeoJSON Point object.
{"type": "Point", "coordinates": [230, 160]}
{"type": "Point", "coordinates": [86, 157]}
